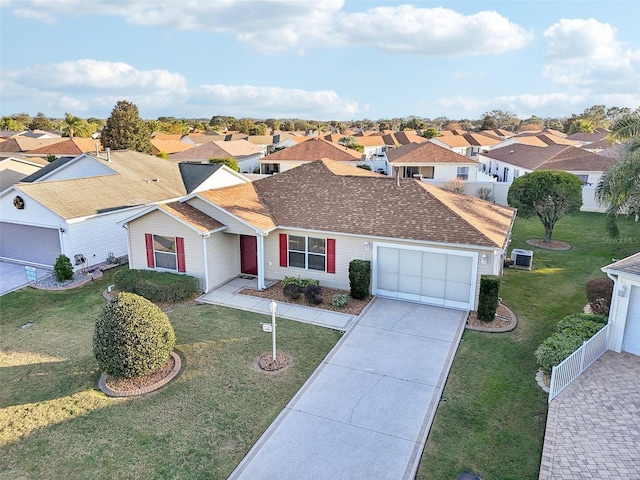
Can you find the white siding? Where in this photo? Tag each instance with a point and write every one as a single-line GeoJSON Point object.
{"type": "Point", "coordinates": [233, 224]}
{"type": "Point", "coordinates": [620, 309]}
{"type": "Point", "coordinates": [223, 258]}
{"type": "Point", "coordinates": [33, 212]}
{"type": "Point", "coordinates": [159, 223]}
{"type": "Point", "coordinates": [82, 167]}
{"type": "Point", "coordinates": [221, 178]}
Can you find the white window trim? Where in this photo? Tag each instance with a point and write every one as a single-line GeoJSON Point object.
{"type": "Point", "coordinates": [174, 253]}
{"type": "Point", "coordinates": [306, 253]}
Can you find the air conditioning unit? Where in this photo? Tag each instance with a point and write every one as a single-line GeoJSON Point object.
{"type": "Point", "coordinates": [522, 259]}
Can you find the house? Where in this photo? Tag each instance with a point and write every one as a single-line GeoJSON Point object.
{"type": "Point", "coordinates": [424, 244]}
{"type": "Point", "coordinates": [402, 138]}
{"type": "Point", "coordinates": [12, 169]}
{"type": "Point", "coordinates": [18, 145]}
{"type": "Point", "coordinates": [510, 162]}
{"type": "Point", "coordinates": [245, 153]}
{"type": "Point", "coordinates": [431, 161]}
{"type": "Point", "coordinates": [73, 205]}
{"type": "Point", "coordinates": [68, 146]}
{"type": "Point", "coordinates": [305, 152]}
{"type": "Point", "coordinates": [468, 144]}
{"type": "Point", "coordinates": [168, 145]}
{"type": "Point", "coordinates": [624, 314]}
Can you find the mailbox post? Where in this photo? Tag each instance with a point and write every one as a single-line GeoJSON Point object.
{"type": "Point", "coordinates": [273, 305]}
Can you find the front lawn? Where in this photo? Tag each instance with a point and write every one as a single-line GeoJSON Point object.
{"type": "Point", "coordinates": [55, 424]}
{"type": "Point", "coordinates": [492, 417]}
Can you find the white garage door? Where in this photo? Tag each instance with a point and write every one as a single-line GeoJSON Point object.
{"type": "Point", "coordinates": [29, 244]}
{"type": "Point", "coordinates": [631, 342]}
{"type": "Point", "coordinates": [433, 276]}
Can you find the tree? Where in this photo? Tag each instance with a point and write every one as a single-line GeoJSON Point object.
{"type": "Point", "coordinates": [350, 142]}
{"type": "Point", "coordinates": [229, 162]}
{"type": "Point", "coordinates": [619, 187]}
{"type": "Point", "coordinates": [41, 122]}
{"type": "Point", "coordinates": [488, 123]}
{"type": "Point", "coordinates": [125, 130]}
{"type": "Point", "coordinates": [431, 132]}
{"type": "Point", "coordinates": [502, 119]}
{"type": "Point", "coordinates": [581, 125]}
{"type": "Point", "coordinates": [547, 194]}
{"type": "Point", "coordinates": [8, 123]}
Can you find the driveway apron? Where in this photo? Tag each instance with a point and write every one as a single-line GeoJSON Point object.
{"type": "Point", "coordinates": [366, 411]}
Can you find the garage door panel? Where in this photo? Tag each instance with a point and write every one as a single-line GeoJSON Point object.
{"type": "Point", "coordinates": [433, 288]}
{"type": "Point", "coordinates": [388, 259]}
{"type": "Point", "coordinates": [458, 292]}
{"type": "Point", "coordinates": [411, 262]}
{"type": "Point", "coordinates": [30, 244]}
{"type": "Point", "coordinates": [632, 328]}
{"type": "Point", "coordinates": [434, 265]}
{"type": "Point", "coordinates": [409, 284]}
{"type": "Point", "coordinates": [458, 268]}
{"type": "Point", "coordinates": [387, 281]}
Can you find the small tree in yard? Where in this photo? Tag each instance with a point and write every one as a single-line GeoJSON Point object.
{"type": "Point", "coordinates": [133, 337]}
{"type": "Point", "coordinates": [232, 163]}
{"type": "Point", "coordinates": [63, 269]}
{"type": "Point", "coordinates": [359, 278]}
{"type": "Point", "coordinates": [547, 194]}
{"type": "Point", "coordinates": [488, 299]}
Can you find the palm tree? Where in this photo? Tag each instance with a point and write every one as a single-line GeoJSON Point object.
{"type": "Point", "coordinates": [619, 187]}
{"type": "Point", "coordinates": [70, 124]}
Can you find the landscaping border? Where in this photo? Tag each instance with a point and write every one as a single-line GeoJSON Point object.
{"type": "Point", "coordinates": [512, 323]}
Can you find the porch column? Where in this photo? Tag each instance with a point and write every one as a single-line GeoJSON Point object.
{"type": "Point", "coordinates": [261, 284]}
{"type": "Point", "coordinates": [205, 261]}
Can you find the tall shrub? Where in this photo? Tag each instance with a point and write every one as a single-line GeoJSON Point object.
{"type": "Point", "coordinates": [359, 278]}
{"type": "Point", "coordinates": [488, 299]}
{"type": "Point", "coordinates": [63, 269]}
{"type": "Point", "coordinates": [599, 292]}
{"type": "Point", "coordinates": [133, 337]}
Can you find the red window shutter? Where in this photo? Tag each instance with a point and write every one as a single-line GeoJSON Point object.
{"type": "Point", "coordinates": [331, 255]}
{"type": "Point", "coordinates": [180, 254]}
{"type": "Point", "coordinates": [284, 247]}
{"type": "Point", "coordinates": [150, 257]}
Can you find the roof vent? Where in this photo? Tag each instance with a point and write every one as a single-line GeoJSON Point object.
{"type": "Point", "coordinates": [512, 152]}
{"type": "Point", "coordinates": [156, 179]}
{"type": "Point", "coordinates": [108, 154]}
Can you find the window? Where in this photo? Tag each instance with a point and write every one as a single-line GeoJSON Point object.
{"type": "Point", "coordinates": [164, 251]}
{"type": "Point", "coordinates": [516, 173]}
{"type": "Point", "coordinates": [307, 252]}
{"type": "Point", "coordinates": [463, 173]}
{"type": "Point", "coordinates": [409, 172]}
{"type": "Point", "coordinates": [270, 168]}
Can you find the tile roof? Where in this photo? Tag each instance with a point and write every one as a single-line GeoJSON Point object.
{"type": "Point", "coordinates": [553, 157]}
{"type": "Point", "coordinates": [244, 202]}
{"type": "Point", "coordinates": [139, 179]}
{"type": "Point", "coordinates": [191, 215]}
{"type": "Point", "coordinates": [69, 146]}
{"type": "Point", "coordinates": [313, 197]}
{"type": "Point", "coordinates": [630, 265]}
{"type": "Point", "coordinates": [314, 149]}
{"type": "Point", "coordinates": [427, 152]}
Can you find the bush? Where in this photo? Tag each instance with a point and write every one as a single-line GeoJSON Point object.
{"type": "Point", "coordinates": [301, 282]}
{"type": "Point", "coordinates": [583, 324]}
{"type": "Point", "coordinates": [455, 185]}
{"type": "Point", "coordinates": [313, 294]}
{"type": "Point", "coordinates": [340, 300]}
{"type": "Point", "coordinates": [133, 337]}
{"type": "Point", "coordinates": [364, 166]}
{"type": "Point", "coordinates": [63, 269]}
{"type": "Point", "coordinates": [555, 349]}
{"type": "Point", "coordinates": [292, 291]}
{"type": "Point", "coordinates": [488, 299]}
{"type": "Point", "coordinates": [599, 292]}
{"type": "Point", "coordinates": [485, 193]}
{"type": "Point", "coordinates": [359, 278]}
{"type": "Point", "coordinates": [232, 163]}
{"type": "Point", "coordinates": [157, 286]}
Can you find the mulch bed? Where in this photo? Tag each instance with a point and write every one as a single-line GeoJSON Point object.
{"type": "Point", "coordinates": [266, 362]}
{"type": "Point", "coordinates": [274, 292]}
{"type": "Point", "coordinates": [552, 245]}
{"type": "Point", "coordinates": [140, 382]}
{"type": "Point", "coordinates": [505, 321]}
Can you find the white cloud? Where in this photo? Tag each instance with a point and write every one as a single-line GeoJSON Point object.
{"type": "Point", "coordinates": [585, 54]}
{"type": "Point", "coordinates": [280, 25]}
{"type": "Point", "coordinates": [37, 15]}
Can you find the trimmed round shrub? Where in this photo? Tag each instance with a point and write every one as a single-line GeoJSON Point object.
{"type": "Point", "coordinates": [133, 337]}
{"type": "Point", "coordinates": [340, 300]}
{"type": "Point", "coordinates": [359, 278]}
{"type": "Point", "coordinates": [555, 349]}
{"type": "Point", "coordinates": [63, 270]}
{"type": "Point", "coordinates": [313, 294]}
{"type": "Point", "coordinates": [292, 291]}
{"type": "Point", "coordinates": [599, 292]}
{"type": "Point", "coordinates": [488, 299]}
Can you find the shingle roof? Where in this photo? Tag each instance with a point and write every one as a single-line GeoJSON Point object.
{"type": "Point", "coordinates": [26, 144]}
{"type": "Point", "coordinates": [553, 157]}
{"type": "Point", "coordinates": [628, 265]}
{"type": "Point", "coordinates": [139, 179]}
{"type": "Point", "coordinates": [168, 145]}
{"type": "Point", "coordinates": [427, 152]}
{"type": "Point", "coordinates": [69, 146]}
{"type": "Point", "coordinates": [193, 174]}
{"type": "Point", "coordinates": [403, 138]}
{"type": "Point", "coordinates": [589, 137]}
{"type": "Point", "coordinates": [192, 216]}
{"type": "Point", "coordinates": [218, 149]}
{"type": "Point", "coordinates": [313, 196]}
{"type": "Point", "coordinates": [314, 149]}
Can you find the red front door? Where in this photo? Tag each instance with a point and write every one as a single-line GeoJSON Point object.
{"type": "Point", "coordinates": [248, 255]}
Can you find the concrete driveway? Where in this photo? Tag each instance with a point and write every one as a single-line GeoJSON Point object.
{"type": "Point", "coordinates": [13, 277]}
{"type": "Point", "coordinates": [366, 411]}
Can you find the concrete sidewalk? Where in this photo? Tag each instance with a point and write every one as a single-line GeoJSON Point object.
{"type": "Point", "coordinates": [367, 410]}
{"type": "Point", "coordinates": [228, 296]}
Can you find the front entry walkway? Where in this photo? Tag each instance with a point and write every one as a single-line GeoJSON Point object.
{"type": "Point", "coordinates": [593, 426]}
{"type": "Point", "coordinates": [366, 411]}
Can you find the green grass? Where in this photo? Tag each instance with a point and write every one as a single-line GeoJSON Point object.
{"type": "Point", "coordinates": [55, 424]}
{"type": "Point", "coordinates": [492, 417]}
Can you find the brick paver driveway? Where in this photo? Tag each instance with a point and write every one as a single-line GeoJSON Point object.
{"type": "Point", "coordinates": [593, 427]}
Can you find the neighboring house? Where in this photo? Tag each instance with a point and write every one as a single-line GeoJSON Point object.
{"type": "Point", "coordinates": [431, 161]}
{"type": "Point", "coordinates": [425, 244]}
{"type": "Point", "coordinates": [13, 170]}
{"type": "Point", "coordinates": [583, 138]}
{"type": "Point", "coordinates": [305, 152]}
{"type": "Point", "coordinates": [468, 144]}
{"type": "Point", "coordinates": [245, 153]}
{"type": "Point", "coordinates": [537, 139]}
{"type": "Point", "coordinates": [624, 314]}
{"type": "Point", "coordinates": [168, 145]}
{"type": "Point", "coordinates": [202, 138]}
{"type": "Point", "coordinates": [508, 163]}
{"type": "Point", "coordinates": [18, 145]}
{"type": "Point", "coordinates": [68, 147]}
{"type": "Point", "coordinates": [402, 138]}
{"type": "Point", "coordinates": [73, 205]}
{"type": "Point", "coordinates": [37, 134]}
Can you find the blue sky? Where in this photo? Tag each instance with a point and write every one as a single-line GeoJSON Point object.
{"type": "Point", "coordinates": [322, 60]}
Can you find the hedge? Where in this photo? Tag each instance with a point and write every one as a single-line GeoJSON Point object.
{"type": "Point", "coordinates": [359, 278]}
{"type": "Point", "coordinates": [157, 286]}
{"type": "Point", "coordinates": [488, 298]}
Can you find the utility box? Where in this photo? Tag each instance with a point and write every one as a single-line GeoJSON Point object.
{"type": "Point", "coordinates": [522, 259]}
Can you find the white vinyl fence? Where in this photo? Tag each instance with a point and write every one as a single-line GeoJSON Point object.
{"type": "Point", "coordinates": [568, 370]}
